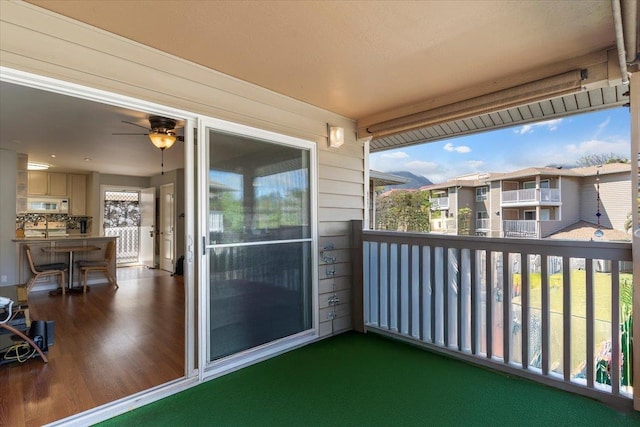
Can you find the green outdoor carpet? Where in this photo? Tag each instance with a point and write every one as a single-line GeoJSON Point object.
{"type": "Point", "coordinates": [367, 380]}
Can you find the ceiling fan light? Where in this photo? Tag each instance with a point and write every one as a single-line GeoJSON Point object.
{"type": "Point", "coordinates": [162, 140]}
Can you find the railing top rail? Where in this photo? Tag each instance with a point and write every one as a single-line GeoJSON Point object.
{"type": "Point", "coordinates": [620, 251]}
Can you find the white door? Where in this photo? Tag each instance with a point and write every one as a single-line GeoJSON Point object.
{"type": "Point", "coordinates": [147, 226]}
{"type": "Point", "coordinates": [167, 227]}
{"type": "Point", "coordinates": [259, 242]}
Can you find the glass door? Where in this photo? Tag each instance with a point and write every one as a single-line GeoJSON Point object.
{"type": "Point", "coordinates": [259, 239]}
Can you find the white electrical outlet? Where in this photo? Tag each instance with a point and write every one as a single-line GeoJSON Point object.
{"type": "Point", "coordinates": [3, 278]}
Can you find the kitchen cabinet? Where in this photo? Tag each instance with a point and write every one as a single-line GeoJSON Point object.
{"type": "Point", "coordinates": [22, 183]}
{"type": "Point", "coordinates": [47, 183]}
{"type": "Point", "coordinates": [78, 194]}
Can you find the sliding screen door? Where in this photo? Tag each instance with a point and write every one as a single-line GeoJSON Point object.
{"type": "Point", "coordinates": [259, 241]}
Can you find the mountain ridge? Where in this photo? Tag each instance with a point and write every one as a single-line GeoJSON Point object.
{"type": "Point", "coordinates": [416, 181]}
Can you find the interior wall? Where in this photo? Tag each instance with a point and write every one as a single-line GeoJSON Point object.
{"type": "Point", "coordinates": [8, 167]}
{"type": "Point", "coordinates": [77, 53]}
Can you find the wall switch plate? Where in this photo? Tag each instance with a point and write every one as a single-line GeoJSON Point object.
{"type": "Point", "coordinates": [3, 278]}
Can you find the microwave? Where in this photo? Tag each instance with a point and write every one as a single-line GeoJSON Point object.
{"type": "Point", "coordinates": [47, 205]}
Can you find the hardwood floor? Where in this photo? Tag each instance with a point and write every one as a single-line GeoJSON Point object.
{"type": "Point", "coordinates": [109, 343]}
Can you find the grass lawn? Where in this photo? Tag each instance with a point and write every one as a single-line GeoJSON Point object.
{"type": "Point", "coordinates": [602, 312]}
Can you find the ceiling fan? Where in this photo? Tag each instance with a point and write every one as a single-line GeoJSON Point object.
{"type": "Point", "coordinates": [161, 132]}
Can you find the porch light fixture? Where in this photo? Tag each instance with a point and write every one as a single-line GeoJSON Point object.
{"type": "Point", "coordinates": [162, 140]}
{"type": "Point", "coordinates": [336, 136]}
{"type": "Point", "coordinates": [33, 166]}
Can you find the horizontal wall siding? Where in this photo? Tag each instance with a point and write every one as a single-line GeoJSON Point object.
{"type": "Point", "coordinates": [341, 199]}
{"type": "Point", "coordinates": [615, 200]}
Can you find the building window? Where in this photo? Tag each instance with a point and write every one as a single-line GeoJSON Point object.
{"type": "Point", "coordinates": [481, 193]}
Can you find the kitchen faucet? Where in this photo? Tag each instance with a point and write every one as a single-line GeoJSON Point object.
{"type": "Point", "coordinates": [46, 224]}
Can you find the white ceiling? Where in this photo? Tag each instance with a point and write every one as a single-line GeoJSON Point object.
{"type": "Point", "coordinates": [42, 124]}
{"type": "Point", "coordinates": [358, 58]}
{"type": "Point", "coordinates": [361, 59]}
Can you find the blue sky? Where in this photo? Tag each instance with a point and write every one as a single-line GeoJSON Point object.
{"type": "Point", "coordinates": [555, 142]}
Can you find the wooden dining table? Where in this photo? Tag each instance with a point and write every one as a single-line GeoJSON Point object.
{"type": "Point", "coordinates": [71, 250]}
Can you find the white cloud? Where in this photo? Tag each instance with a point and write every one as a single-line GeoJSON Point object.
{"type": "Point", "coordinates": [598, 146]}
{"type": "Point", "coordinates": [476, 164]}
{"type": "Point", "coordinates": [551, 125]}
{"type": "Point", "coordinates": [420, 167]}
{"type": "Point", "coordinates": [604, 124]}
{"type": "Point", "coordinates": [395, 155]}
{"type": "Point", "coordinates": [459, 149]}
{"type": "Point", "coordinates": [601, 128]}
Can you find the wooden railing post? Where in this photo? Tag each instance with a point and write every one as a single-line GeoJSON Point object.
{"type": "Point", "coordinates": [357, 302]}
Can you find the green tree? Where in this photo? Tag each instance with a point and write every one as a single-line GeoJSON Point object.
{"type": "Point", "coordinates": [628, 222]}
{"type": "Point", "coordinates": [464, 221]}
{"type": "Point", "coordinates": [403, 210]}
{"type": "Point", "coordinates": [600, 159]}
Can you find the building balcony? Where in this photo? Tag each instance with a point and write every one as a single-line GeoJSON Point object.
{"type": "Point", "coordinates": [521, 228]}
{"type": "Point", "coordinates": [444, 225]}
{"type": "Point", "coordinates": [439, 203]}
{"type": "Point", "coordinates": [483, 224]}
{"type": "Point", "coordinates": [532, 308]}
{"type": "Point", "coordinates": [531, 197]}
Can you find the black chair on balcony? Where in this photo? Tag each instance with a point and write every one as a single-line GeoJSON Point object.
{"type": "Point", "coordinates": [43, 270]}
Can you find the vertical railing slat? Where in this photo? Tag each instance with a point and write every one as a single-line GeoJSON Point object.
{"type": "Point", "coordinates": [489, 303]}
{"type": "Point", "coordinates": [383, 290]}
{"type": "Point", "coordinates": [506, 307]}
{"type": "Point", "coordinates": [426, 293]}
{"type": "Point", "coordinates": [432, 273]}
{"type": "Point", "coordinates": [545, 321]}
{"type": "Point", "coordinates": [475, 278]}
{"type": "Point", "coordinates": [445, 294]}
{"type": "Point", "coordinates": [404, 309]}
{"type": "Point", "coordinates": [461, 291]}
{"type": "Point", "coordinates": [524, 308]}
{"type": "Point", "coordinates": [414, 296]}
{"type": "Point", "coordinates": [590, 321]}
{"type": "Point", "coordinates": [566, 318]}
{"type": "Point", "coordinates": [393, 287]}
{"type": "Point", "coordinates": [367, 280]}
{"type": "Point", "coordinates": [615, 327]}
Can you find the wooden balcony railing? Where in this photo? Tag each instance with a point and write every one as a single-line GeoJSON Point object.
{"type": "Point", "coordinates": [558, 312]}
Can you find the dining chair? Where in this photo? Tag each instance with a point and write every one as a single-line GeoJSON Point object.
{"type": "Point", "coordinates": [101, 265]}
{"type": "Point", "coordinates": [43, 270]}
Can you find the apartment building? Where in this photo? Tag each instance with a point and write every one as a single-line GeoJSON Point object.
{"type": "Point", "coordinates": [536, 202]}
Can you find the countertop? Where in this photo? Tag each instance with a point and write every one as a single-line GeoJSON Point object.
{"type": "Point", "coordinates": [62, 238]}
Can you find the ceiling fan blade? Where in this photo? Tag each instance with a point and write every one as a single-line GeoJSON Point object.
{"type": "Point", "coordinates": [135, 124]}
{"type": "Point", "coordinates": [124, 133]}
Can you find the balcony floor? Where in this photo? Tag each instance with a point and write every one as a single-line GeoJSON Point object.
{"type": "Point", "coordinates": [366, 380]}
